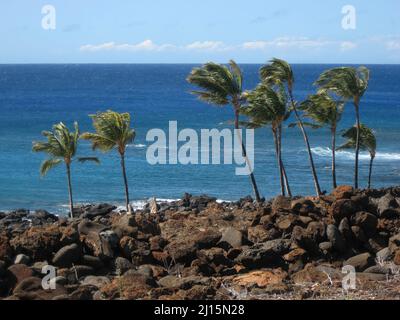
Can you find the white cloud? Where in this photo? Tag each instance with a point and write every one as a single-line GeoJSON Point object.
{"type": "Point", "coordinates": [146, 45]}
{"type": "Point", "coordinates": [393, 45]}
{"type": "Point", "coordinates": [255, 45]}
{"type": "Point", "coordinates": [348, 45]}
{"type": "Point", "coordinates": [207, 46]}
{"type": "Point", "coordinates": [286, 42]}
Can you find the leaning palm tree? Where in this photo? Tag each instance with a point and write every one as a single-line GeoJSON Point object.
{"type": "Point", "coordinates": [268, 107]}
{"type": "Point", "coordinates": [324, 111]}
{"type": "Point", "coordinates": [113, 131]}
{"type": "Point", "coordinates": [280, 73]}
{"type": "Point", "coordinates": [367, 141]}
{"type": "Point", "coordinates": [222, 85]}
{"type": "Point", "coordinates": [61, 145]}
{"type": "Point", "coordinates": [350, 84]}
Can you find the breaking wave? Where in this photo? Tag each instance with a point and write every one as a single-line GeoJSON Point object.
{"type": "Point", "coordinates": [348, 155]}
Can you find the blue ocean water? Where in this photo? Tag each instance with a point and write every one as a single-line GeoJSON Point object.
{"type": "Point", "coordinates": [34, 97]}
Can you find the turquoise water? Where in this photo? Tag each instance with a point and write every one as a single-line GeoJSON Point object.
{"type": "Point", "coordinates": [33, 97]}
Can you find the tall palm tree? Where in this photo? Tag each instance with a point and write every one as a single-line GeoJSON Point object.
{"type": "Point", "coordinates": [113, 131]}
{"type": "Point", "coordinates": [280, 73]}
{"type": "Point", "coordinates": [61, 145]}
{"type": "Point", "coordinates": [367, 141]}
{"type": "Point", "coordinates": [325, 112]}
{"type": "Point", "coordinates": [222, 85]}
{"type": "Point", "coordinates": [268, 107]}
{"type": "Point", "coordinates": [350, 84]}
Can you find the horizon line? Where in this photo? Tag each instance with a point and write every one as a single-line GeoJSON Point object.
{"type": "Point", "coordinates": [187, 63]}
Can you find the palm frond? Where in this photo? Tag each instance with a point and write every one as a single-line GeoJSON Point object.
{"type": "Point", "coordinates": [48, 165]}
{"type": "Point", "coordinates": [89, 159]}
{"type": "Point", "coordinates": [112, 130]}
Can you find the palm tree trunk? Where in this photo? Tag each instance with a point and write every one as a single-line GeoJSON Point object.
{"type": "Point", "coordinates": [305, 137]}
{"type": "Point", "coordinates": [252, 178]}
{"type": "Point", "coordinates": [278, 159]}
{"type": "Point", "coordinates": [356, 105]}
{"type": "Point", "coordinates": [71, 202]}
{"type": "Point", "coordinates": [334, 157]}
{"type": "Point", "coordinates": [370, 171]}
{"type": "Point", "coordinates": [288, 191]}
{"type": "Point", "coordinates": [125, 182]}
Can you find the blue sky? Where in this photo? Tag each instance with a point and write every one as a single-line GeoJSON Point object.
{"type": "Point", "coordinates": [186, 31]}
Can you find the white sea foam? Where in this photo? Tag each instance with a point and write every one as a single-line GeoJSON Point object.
{"type": "Point", "coordinates": [348, 155]}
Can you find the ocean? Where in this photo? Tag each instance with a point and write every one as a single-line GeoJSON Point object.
{"type": "Point", "coordinates": [34, 97]}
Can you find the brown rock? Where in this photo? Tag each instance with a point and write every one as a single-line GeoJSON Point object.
{"type": "Point", "coordinates": [130, 286]}
{"type": "Point", "coordinates": [281, 203]}
{"type": "Point", "coordinates": [19, 272]}
{"type": "Point", "coordinates": [360, 262]}
{"type": "Point", "coordinates": [342, 209]}
{"type": "Point", "coordinates": [31, 289]}
{"type": "Point", "coordinates": [261, 278]}
{"type": "Point", "coordinates": [259, 234]}
{"type": "Point", "coordinates": [5, 248]}
{"type": "Point", "coordinates": [367, 221]}
{"type": "Point", "coordinates": [294, 255]}
{"type": "Point", "coordinates": [343, 192]}
{"type": "Point", "coordinates": [316, 274]}
{"type": "Point", "coordinates": [39, 243]}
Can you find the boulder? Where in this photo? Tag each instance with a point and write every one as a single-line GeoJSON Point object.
{"type": "Point", "coordinates": [343, 208]}
{"type": "Point", "coordinates": [122, 265]}
{"type": "Point", "coordinates": [91, 261]}
{"type": "Point", "coordinates": [184, 283]}
{"type": "Point", "coordinates": [386, 206]}
{"type": "Point", "coordinates": [18, 272]}
{"type": "Point", "coordinates": [6, 251]}
{"type": "Point", "coordinates": [39, 243]}
{"type": "Point", "coordinates": [302, 206]}
{"type": "Point", "coordinates": [93, 211]}
{"type": "Point", "coordinates": [360, 262]}
{"type": "Point", "coordinates": [231, 238]}
{"type": "Point", "coordinates": [31, 289]}
{"type": "Point", "coordinates": [336, 238]}
{"type": "Point", "coordinates": [96, 281]}
{"type": "Point", "coordinates": [316, 274]}
{"type": "Point", "coordinates": [281, 203]}
{"type": "Point", "coordinates": [343, 192]}
{"type": "Point", "coordinates": [67, 255]}
{"type": "Point", "coordinates": [259, 234]}
{"type": "Point", "coordinates": [345, 229]}
{"type": "Point", "coordinates": [366, 221]}
{"type": "Point", "coordinates": [267, 254]}
{"type": "Point", "coordinates": [95, 240]}
{"type": "Point", "coordinates": [22, 259]}
{"type": "Point", "coordinates": [260, 278]}
{"type": "Point", "coordinates": [130, 286]}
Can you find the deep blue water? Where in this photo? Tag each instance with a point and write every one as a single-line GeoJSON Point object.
{"type": "Point", "coordinates": [34, 97]}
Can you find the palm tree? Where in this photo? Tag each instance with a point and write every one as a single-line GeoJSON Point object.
{"type": "Point", "coordinates": [280, 73]}
{"type": "Point", "coordinates": [112, 131]}
{"type": "Point", "coordinates": [61, 145]}
{"type": "Point", "coordinates": [268, 107]}
{"type": "Point", "coordinates": [367, 141]}
{"type": "Point", "coordinates": [324, 111]}
{"type": "Point", "coordinates": [350, 84]}
{"type": "Point", "coordinates": [222, 85]}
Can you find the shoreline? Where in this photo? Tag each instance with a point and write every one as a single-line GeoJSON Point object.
{"type": "Point", "coordinates": [196, 248]}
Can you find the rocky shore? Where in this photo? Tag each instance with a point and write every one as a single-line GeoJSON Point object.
{"type": "Point", "coordinates": [197, 248]}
